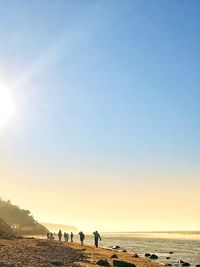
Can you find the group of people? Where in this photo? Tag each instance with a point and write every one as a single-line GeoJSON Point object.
{"type": "Point", "coordinates": [50, 236]}
{"type": "Point", "coordinates": [70, 236]}
{"type": "Point", "coordinates": [66, 236]}
{"type": "Point", "coordinates": [97, 237]}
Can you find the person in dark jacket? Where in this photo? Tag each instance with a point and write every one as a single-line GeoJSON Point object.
{"type": "Point", "coordinates": [82, 237]}
{"type": "Point", "coordinates": [65, 236]}
{"type": "Point", "coordinates": [96, 238]}
{"type": "Point", "coordinates": [59, 235]}
{"type": "Point", "coordinates": [71, 237]}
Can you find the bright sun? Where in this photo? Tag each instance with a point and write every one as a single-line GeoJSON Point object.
{"type": "Point", "coordinates": [7, 107]}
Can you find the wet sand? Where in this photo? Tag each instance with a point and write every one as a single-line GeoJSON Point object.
{"type": "Point", "coordinates": [48, 253]}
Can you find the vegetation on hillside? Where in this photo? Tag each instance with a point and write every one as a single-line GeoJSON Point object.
{"type": "Point", "coordinates": [19, 219]}
{"type": "Point", "coordinates": [5, 230]}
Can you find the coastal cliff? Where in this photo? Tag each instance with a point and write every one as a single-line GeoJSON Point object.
{"type": "Point", "coordinates": [20, 220]}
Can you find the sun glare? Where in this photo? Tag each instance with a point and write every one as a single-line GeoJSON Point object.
{"type": "Point", "coordinates": [7, 107]}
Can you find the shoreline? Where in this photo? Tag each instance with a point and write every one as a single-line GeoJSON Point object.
{"type": "Point", "coordinates": [33, 252]}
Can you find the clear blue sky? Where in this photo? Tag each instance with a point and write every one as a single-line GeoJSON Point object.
{"type": "Point", "coordinates": [105, 87]}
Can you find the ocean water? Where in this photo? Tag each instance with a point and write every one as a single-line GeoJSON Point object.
{"type": "Point", "coordinates": [185, 246]}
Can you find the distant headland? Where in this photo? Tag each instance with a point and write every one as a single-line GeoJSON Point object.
{"type": "Point", "coordinates": [55, 227]}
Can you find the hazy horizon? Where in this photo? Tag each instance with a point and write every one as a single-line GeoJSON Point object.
{"type": "Point", "coordinates": [99, 113]}
{"type": "Point", "coordinates": [119, 232]}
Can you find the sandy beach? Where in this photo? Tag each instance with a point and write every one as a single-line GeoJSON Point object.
{"type": "Point", "coordinates": [44, 253]}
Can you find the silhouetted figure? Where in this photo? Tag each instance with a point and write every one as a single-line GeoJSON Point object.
{"type": "Point", "coordinates": [71, 237]}
{"type": "Point", "coordinates": [51, 236]}
{"type": "Point", "coordinates": [96, 238]}
{"type": "Point", "coordinates": [48, 235]}
{"type": "Point", "coordinates": [59, 235]}
{"type": "Point", "coordinates": [65, 236]}
{"type": "Point", "coordinates": [82, 237]}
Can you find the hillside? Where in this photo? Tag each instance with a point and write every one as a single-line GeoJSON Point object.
{"type": "Point", "coordinates": [5, 230]}
{"type": "Point", "coordinates": [55, 227]}
{"type": "Point", "coordinates": [20, 220]}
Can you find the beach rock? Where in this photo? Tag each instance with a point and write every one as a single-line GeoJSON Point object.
{"type": "Point", "coordinates": [124, 250]}
{"type": "Point", "coordinates": [78, 264]}
{"type": "Point", "coordinates": [119, 263]}
{"type": "Point", "coordinates": [135, 255]}
{"type": "Point", "coordinates": [2, 264]}
{"type": "Point", "coordinates": [19, 237]}
{"type": "Point", "coordinates": [116, 247]}
{"type": "Point", "coordinates": [43, 243]}
{"type": "Point", "coordinates": [153, 257]}
{"type": "Point", "coordinates": [102, 262]}
{"type": "Point", "coordinates": [184, 263]}
{"type": "Point", "coordinates": [114, 256]}
{"type": "Point", "coordinates": [198, 265]}
{"type": "Point", "coordinates": [167, 258]}
{"type": "Point", "coordinates": [168, 264]}
{"type": "Point", "coordinates": [57, 263]}
{"type": "Point", "coordinates": [171, 252]}
{"type": "Point", "coordinates": [147, 254]}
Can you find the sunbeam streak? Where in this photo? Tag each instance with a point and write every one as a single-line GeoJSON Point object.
{"type": "Point", "coordinates": [7, 106]}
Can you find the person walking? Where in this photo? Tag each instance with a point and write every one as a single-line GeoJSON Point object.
{"type": "Point", "coordinates": [67, 237]}
{"type": "Point", "coordinates": [96, 238]}
{"type": "Point", "coordinates": [71, 237]}
{"type": "Point", "coordinates": [82, 237]}
{"type": "Point", "coordinates": [59, 235]}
